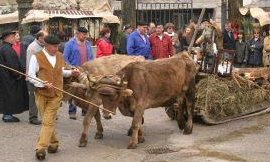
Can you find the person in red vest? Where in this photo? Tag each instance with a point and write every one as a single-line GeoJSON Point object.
{"type": "Point", "coordinates": [104, 44]}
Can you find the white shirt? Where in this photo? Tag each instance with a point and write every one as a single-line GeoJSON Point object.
{"type": "Point", "coordinates": [34, 68]}
{"type": "Point", "coordinates": [170, 34]}
{"type": "Point", "coordinates": [215, 50]}
{"type": "Point", "coordinates": [160, 37]}
{"type": "Point", "coordinates": [34, 48]}
{"type": "Point", "coordinates": [142, 36]}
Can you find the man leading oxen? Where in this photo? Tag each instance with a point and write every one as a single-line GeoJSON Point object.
{"type": "Point", "coordinates": [84, 87]}
{"type": "Point", "coordinates": [143, 85]}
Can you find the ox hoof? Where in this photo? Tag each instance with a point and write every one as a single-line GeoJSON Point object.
{"type": "Point", "coordinates": [181, 125]}
{"type": "Point", "coordinates": [129, 133]}
{"type": "Point", "coordinates": [132, 146]}
{"type": "Point", "coordinates": [141, 139]}
{"type": "Point", "coordinates": [187, 131]}
{"type": "Point", "coordinates": [99, 136]}
{"type": "Point", "coordinates": [82, 143]}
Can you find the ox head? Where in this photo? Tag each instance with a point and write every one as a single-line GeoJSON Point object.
{"type": "Point", "coordinates": [112, 90]}
{"type": "Point", "coordinates": [79, 85]}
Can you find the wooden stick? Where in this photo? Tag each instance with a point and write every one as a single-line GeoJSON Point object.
{"type": "Point", "coordinates": [249, 82]}
{"type": "Point", "coordinates": [234, 78]}
{"type": "Point", "coordinates": [6, 67]}
{"type": "Point", "coordinates": [196, 30]}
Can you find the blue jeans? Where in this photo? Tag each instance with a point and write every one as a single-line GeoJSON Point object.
{"type": "Point", "coordinates": [72, 109]}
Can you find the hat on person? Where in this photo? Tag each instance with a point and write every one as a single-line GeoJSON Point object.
{"type": "Point", "coordinates": [206, 20]}
{"type": "Point", "coordinates": [82, 30]}
{"type": "Point", "coordinates": [7, 33]}
{"type": "Point", "coordinates": [52, 39]}
{"type": "Point", "coordinates": [128, 26]}
{"type": "Point", "coordinates": [34, 29]}
{"type": "Point", "coordinates": [169, 25]}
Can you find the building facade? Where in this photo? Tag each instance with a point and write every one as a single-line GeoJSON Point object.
{"type": "Point", "coordinates": [176, 11]}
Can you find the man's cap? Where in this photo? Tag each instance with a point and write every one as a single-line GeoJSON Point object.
{"type": "Point", "coordinates": [82, 30]}
{"type": "Point", "coordinates": [141, 23]}
{"type": "Point", "coordinates": [52, 39]}
{"type": "Point", "coordinates": [127, 27]}
{"type": "Point", "coordinates": [34, 29]}
{"type": "Point", "coordinates": [7, 33]}
{"type": "Point", "coordinates": [206, 20]}
{"type": "Point", "coordinates": [169, 25]}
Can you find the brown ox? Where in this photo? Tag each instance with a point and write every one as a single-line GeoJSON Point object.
{"type": "Point", "coordinates": [144, 85]}
{"type": "Point", "coordinates": [83, 86]}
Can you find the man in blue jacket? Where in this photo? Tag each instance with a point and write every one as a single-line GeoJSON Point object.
{"type": "Point", "coordinates": [138, 42]}
{"type": "Point", "coordinates": [76, 52]}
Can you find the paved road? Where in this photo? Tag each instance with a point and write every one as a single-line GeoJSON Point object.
{"type": "Point", "coordinates": [242, 140]}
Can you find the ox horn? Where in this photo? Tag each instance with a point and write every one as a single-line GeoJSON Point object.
{"type": "Point", "coordinates": [127, 92]}
{"type": "Point", "coordinates": [118, 82]}
{"type": "Point", "coordinates": [125, 82]}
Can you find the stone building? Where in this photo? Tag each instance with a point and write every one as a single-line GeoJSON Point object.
{"type": "Point", "coordinates": [7, 6]}
{"type": "Point", "coordinates": [63, 15]}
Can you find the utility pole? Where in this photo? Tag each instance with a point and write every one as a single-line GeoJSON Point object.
{"type": "Point", "coordinates": [223, 13]}
{"type": "Point", "coordinates": [128, 12]}
{"type": "Point", "coordinates": [23, 7]}
{"type": "Point", "coordinates": [233, 12]}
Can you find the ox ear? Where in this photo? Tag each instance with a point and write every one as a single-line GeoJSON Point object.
{"type": "Point", "coordinates": [77, 85]}
{"type": "Point", "coordinates": [127, 92]}
{"type": "Point", "coordinates": [107, 91]}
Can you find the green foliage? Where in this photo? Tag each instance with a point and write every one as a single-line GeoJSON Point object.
{"type": "Point", "coordinates": [248, 26]}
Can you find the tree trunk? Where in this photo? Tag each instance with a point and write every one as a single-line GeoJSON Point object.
{"type": "Point", "coordinates": [233, 10]}
{"type": "Point", "coordinates": [129, 12]}
{"type": "Point", "coordinates": [23, 7]}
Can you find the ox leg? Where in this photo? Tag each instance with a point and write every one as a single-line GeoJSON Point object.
{"type": "Point", "coordinates": [141, 135]}
{"type": "Point", "coordinates": [99, 134]}
{"type": "Point", "coordinates": [190, 104]}
{"type": "Point", "coordinates": [86, 125]}
{"type": "Point", "coordinates": [136, 125]}
{"type": "Point", "coordinates": [179, 106]}
{"type": "Point", "coordinates": [129, 133]}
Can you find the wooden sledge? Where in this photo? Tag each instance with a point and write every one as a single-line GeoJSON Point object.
{"type": "Point", "coordinates": [254, 77]}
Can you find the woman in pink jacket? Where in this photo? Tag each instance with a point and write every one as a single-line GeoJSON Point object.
{"type": "Point", "coordinates": [104, 45]}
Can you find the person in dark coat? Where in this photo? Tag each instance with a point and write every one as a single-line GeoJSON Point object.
{"type": "Point", "coordinates": [13, 88]}
{"type": "Point", "coordinates": [228, 38]}
{"type": "Point", "coordinates": [61, 36]}
{"type": "Point", "coordinates": [20, 50]}
{"type": "Point", "coordinates": [122, 49]}
{"type": "Point", "coordinates": [241, 54]}
{"type": "Point", "coordinates": [256, 50]}
{"type": "Point", "coordinates": [28, 39]}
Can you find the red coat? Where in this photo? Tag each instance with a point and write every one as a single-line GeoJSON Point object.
{"type": "Point", "coordinates": [104, 47]}
{"type": "Point", "coordinates": [161, 48]}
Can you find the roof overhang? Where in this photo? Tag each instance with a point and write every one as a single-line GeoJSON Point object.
{"type": "Point", "coordinates": [9, 18]}
{"type": "Point", "coordinates": [258, 13]}
{"type": "Point", "coordinates": [44, 15]}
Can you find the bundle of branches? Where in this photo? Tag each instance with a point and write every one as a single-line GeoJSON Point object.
{"type": "Point", "coordinates": [221, 98]}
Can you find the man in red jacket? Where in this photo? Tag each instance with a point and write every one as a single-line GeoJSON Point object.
{"type": "Point", "coordinates": [161, 44]}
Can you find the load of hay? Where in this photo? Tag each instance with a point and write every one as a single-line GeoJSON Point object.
{"type": "Point", "coordinates": [223, 98]}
